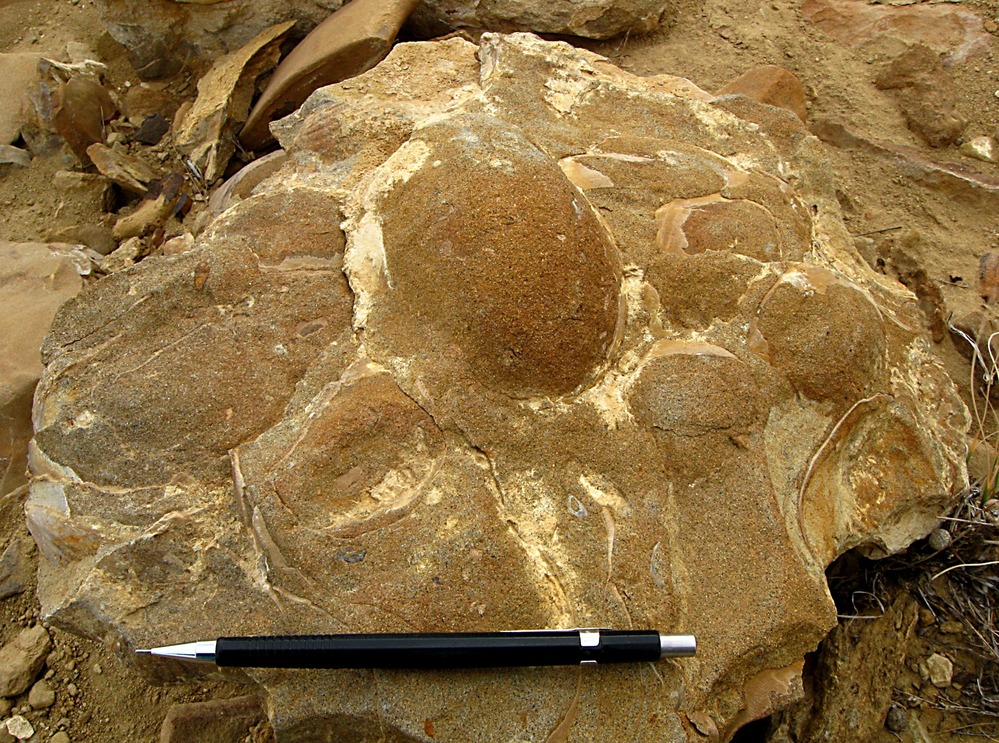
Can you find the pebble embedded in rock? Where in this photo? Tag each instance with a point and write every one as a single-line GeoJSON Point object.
{"type": "Point", "coordinates": [21, 659]}
{"type": "Point", "coordinates": [19, 727]}
{"type": "Point", "coordinates": [41, 695]}
{"type": "Point", "coordinates": [940, 670]}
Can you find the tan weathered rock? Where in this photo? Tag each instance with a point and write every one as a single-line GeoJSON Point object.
{"type": "Point", "coordinates": [240, 186]}
{"type": "Point", "coordinates": [940, 669]}
{"type": "Point", "coordinates": [926, 95]}
{"type": "Point", "coordinates": [512, 339]}
{"type": "Point", "coordinates": [771, 85]}
{"type": "Point", "coordinates": [19, 71]}
{"type": "Point", "coordinates": [22, 658]}
{"type": "Point", "coordinates": [206, 133]}
{"type": "Point", "coordinates": [349, 42]}
{"type": "Point", "coordinates": [33, 284]}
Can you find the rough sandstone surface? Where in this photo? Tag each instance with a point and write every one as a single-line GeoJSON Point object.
{"type": "Point", "coordinates": [512, 338]}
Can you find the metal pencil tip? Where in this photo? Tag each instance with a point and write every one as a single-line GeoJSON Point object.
{"type": "Point", "coordinates": [147, 652]}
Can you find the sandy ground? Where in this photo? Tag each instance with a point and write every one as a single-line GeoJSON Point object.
{"type": "Point", "coordinates": [707, 41]}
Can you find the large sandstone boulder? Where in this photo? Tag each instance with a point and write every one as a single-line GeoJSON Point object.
{"type": "Point", "coordinates": [512, 339]}
{"type": "Point", "coordinates": [164, 35]}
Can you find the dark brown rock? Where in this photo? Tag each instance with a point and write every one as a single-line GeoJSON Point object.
{"type": "Point", "coordinates": [152, 129]}
{"type": "Point", "coordinates": [926, 94]}
{"type": "Point", "coordinates": [349, 42]}
{"type": "Point", "coordinates": [771, 85]}
{"type": "Point", "coordinates": [81, 110]}
{"type": "Point", "coordinates": [141, 101]}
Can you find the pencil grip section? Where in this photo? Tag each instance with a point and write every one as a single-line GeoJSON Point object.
{"type": "Point", "coordinates": [451, 650]}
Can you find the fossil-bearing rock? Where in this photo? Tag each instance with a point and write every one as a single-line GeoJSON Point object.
{"type": "Point", "coordinates": [512, 339]}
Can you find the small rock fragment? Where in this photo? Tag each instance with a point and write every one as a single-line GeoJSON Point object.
{"type": "Point", "coordinates": [60, 737]}
{"type": "Point", "coordinates": [940, 670]}
{"type": "Point", "coordinates": [772, 85]}
{"type": "Point", "coordinates": [96, 237]}
{"type": "Point", "coordinates": [222, 720]}
{"type": "Point", "coordinates": [940, 539]}
{"type": "Point", "coordinates": [925, 94]}
{"type": "Point", "coordinates": [81, 110]}
{"type": "Point", "coordinates": [21, 659]}
{"type": "Point", "coordinates": [981, 148]}
{"type": "Point", "coordinates": [15, 567]}
{"type": "Point", "coordinates": [349, 42]}
{"type": "Point", "coordinates": [127, 254]}
{"type": "Point", "coordinates": [10, 155]}
{"type": "Point", "coordinates": [162, 198]}
{"type": "Point", "coordinates": [19, 727]}
{"type": "Point", "coordinates": [950, 627]}
{"type": "Point", "coordinates": [152, 129]}
{"type": "Point", "coordinates": [41, 695]}
{"type": "Point", "coordinates": [144, 100]}
{"type": "Point", "coordinates": [897, 719]}
{"type": "Point", "coordinates": [5, 706]}
{"type": "Point", "coordinates": [128, 171]}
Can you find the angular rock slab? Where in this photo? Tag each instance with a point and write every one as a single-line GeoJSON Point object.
{"type": "Point", "coordinates": [34, 282]}
{"type": "Point", "coordinates": [512, 339]}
